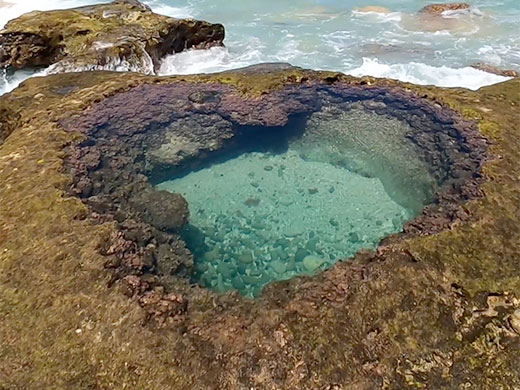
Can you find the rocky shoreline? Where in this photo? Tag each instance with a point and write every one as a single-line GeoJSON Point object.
{"type": "Point", "coordinates": [122, 35]}
{"type": "Point", "coordinates": [83, 230]}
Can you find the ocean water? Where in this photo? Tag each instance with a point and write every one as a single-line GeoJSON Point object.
{"type": "Point", "coordinates": [296, 206]}
{"type": "Point", "coordinates": [332, 34]}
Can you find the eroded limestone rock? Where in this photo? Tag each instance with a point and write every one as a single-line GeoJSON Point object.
{"type": "Point", "coordinates": [402, 317]}
{"type": "Point", "coordinates": [122, 35]}
{"type": "Point", "coordinates": [438, 9]}
{"type": "Point", "coordinates": [495, 70]}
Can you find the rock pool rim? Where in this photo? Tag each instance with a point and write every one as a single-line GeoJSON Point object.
{"type": "Point", "coordinates": [240, 106]}
{"type": "Point", "coordinates": [427, 291]}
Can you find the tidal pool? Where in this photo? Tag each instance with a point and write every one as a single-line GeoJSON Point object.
{"type": "Point", "coordinates": [302, 198]}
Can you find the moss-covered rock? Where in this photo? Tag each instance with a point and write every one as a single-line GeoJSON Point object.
{"type": "Point", "coordinates": [433, 311]}
{"type": "Point", "coordinates": [122, 35]}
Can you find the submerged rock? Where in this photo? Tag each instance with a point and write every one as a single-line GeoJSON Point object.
{"type": "Point", "coordinates": [312, 263]}
{"type": "Point", "coordinates": [122, 35]}
{"type": "Point", "coordinates": [374, 8]}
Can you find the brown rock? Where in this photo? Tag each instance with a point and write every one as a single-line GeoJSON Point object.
{"type": "Point", "coordinates": [162, 209]}
{"type": "Point", "coordinates": [438, 9]}
{"type": "Point", "coordinates": [492, 69]}
{"type": "Point", "coordinates": [122, 34]}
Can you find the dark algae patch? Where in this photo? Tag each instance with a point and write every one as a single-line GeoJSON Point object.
{"type": "Point", "coordinates": [94, 281]}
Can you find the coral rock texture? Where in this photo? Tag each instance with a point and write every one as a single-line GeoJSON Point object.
{"type": "Point", "coordinates": [94, 290]}
{"type": "Point", "coordinates": [122, 35]}
{"type": "Point", "coordinates": [438, 9]}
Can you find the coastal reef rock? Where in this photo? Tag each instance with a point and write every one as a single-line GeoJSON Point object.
{"type": "Point", "coordinates": [122, 35]}
{"type": "Point", "coordinates": [95, 289]}
{"type": "Point", "coordinates": [438, 9]}
{"type": "Point", "coordinates": [493, 69]}
{"type": "Point", "coordinates": [373, 8]}
{"type": "Point", "coordinates": [437, 17]}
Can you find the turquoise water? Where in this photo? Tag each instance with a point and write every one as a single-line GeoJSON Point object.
{"type": "Point", "coordinates": [331, 34]}
{"type": "Point", "coordinates": [268, 214]}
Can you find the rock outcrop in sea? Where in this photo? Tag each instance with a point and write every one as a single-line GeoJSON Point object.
{"type": "Point", "coordinates": [438, 9]}
{"type": "Point", "coordinates": [95, 287]}
{"type": "Point", "coordinates": [122, 35]}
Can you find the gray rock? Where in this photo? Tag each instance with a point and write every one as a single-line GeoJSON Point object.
{"type": "Point", "coordinates": [312, 262]}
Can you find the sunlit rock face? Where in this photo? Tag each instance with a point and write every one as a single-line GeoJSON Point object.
{"type": "Point", "coordinates": [124, 35]}
{"type": "Point", "coordinates": [234, 192]}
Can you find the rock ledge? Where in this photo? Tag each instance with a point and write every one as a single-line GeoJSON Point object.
{"type": "Point", "coordinates": [122, 35]}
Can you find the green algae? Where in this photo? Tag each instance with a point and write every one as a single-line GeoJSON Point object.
{"type": "Point", "coordinates": [401, 319]}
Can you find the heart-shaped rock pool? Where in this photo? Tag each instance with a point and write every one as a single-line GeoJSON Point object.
{"type": "Point", "coordinates": [233, 193]}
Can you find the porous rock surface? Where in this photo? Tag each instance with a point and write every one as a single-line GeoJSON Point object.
{"type": "Point", "coordinates": [121, 35]}
{"type": "Point", "coordinates": [438, 9]}
{"type": "Point", "coordinates": [436, 311]}
{"type": "Point", "coordinates": [493, 69]}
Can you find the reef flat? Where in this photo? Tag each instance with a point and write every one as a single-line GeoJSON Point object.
{"type": "Point", "coordinates": [85, 304]}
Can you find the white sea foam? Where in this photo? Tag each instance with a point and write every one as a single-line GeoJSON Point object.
{"type": "Point", "coordinates": [378, 16]}
{"type": "Point", "coordinates": [8, 83]}
{"type": "Point", "coordinates": [174, 12]}
{"type": "Point", "coordinates": [212, 60]}
{"type": "Point", "coordinates": [423, 74]}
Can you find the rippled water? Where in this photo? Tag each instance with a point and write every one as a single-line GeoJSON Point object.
{"type": "Point", "coordinates": [331, 34]}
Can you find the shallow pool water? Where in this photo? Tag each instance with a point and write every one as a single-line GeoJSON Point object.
{"type": "Point", "coordinates": [265, 215]}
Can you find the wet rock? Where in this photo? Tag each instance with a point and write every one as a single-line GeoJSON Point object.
{"type": "Point", "coordinates": [281, 242]}
{"type": "Point", "coordinates": [278, 266]}
{"type": "Point", "coordinates": [353, 237]}
{"type": "Point", "coordinates": [438, 9]}
{"type": "Point", "coordinates": [312, 262]}
{"type": "Point", "coordinates": [252, 202]}
{"type": "Point", "coordinates": [300, 255]}
{"type": "Point", "coordinates": [238, 283]}
{"type": "Point", "coordinates": [162, 209]}
{"type": "Point", "coordinates": [226, 270]}
{"type": "Point", "coordinates": [212, 255]}
{"type": "Point", "coordinates": [493, 69]}
{"type": "Point", "coordinates": [124, 34]}
{"type": "Point", "coordinates": [246, 257]}
{"type": "Point", "coordinates": [168, 260]}
{"type": "Point", "coordinates": [311, 245]}
{"type": "Point", "coordinates": [373, 8]}
{"type": "Point", "coordinates": [293, 231]}
{"type": "Point", "coordinates": [359, 301]}
{"type": "Point", "coordinates": [515, 321]}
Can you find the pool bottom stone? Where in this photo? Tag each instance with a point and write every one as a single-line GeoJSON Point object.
{"type": "Point", "coordinates": [262, 217]}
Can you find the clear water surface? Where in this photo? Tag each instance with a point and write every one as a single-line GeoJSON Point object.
{"type": "Point", "coordinates": [297, 207]}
